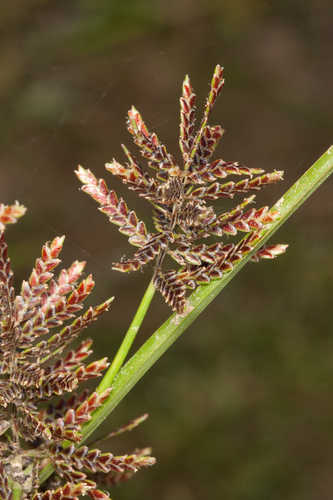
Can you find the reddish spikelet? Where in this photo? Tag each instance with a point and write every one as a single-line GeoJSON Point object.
{"type": "Point", "coordinates": [114, 208]}
{"type": "Point", "coordinates": [149, 144]}
{"type": "Point", "coordinates": [67, 492]}
{"type": "Point", "coordinates": [207, 144]}
{"type": "Point", "coordinates": [114, 477]}
{"type": "Point", "coordinates": [98, 495]}
{"type": "Point", "coordinates": [59, 341]}
{"type": "Point", "coordinates": [187, 118]}
{"type": "Point", "coordinates": [133, 176]}
{"type": "Point", "coordinates": [73, 359]}
{"type": "Point", "coordinates": [42, 272]}
{"type": "Point", "coordinates": [219, 169]}
{"type": "Point", "coordinates": [96, 462]}
{"type": "Point", "coordinates": [229, 189]}
{"type": "Point", "coordinates": [180, 197]}
{"type": "Point", "coordinates": [215, 88]}
{"type": "Point", "coordinates": [35, 369]}
{"type": "Point", "coordinates": [10, 213]}
{"type": "Point", "coordinates": [172, 289]}
{"type": "Point", "coordinates": [92, 370]}
{"type": "Point", "coordinates": [269, 252]}
{"type": "Point", "coordinates": [59, 408]}
{"type": "Point", "coordinates": [7, 293]}
{"type": "Point", "coordinates": [94, 401]}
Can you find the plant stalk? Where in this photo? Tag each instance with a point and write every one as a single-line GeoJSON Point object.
{"type": "Point", "coordinates": [128, 340]}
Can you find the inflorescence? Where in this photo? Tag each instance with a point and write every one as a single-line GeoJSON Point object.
{"type": "Point", "coordinates": [180, 196]}
{"type": "Point", "coordinates": [39, 423]}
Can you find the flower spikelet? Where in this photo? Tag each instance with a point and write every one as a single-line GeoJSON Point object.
{"type": "Point", "coordinates": [181, 197]}
{"type": "Point", "coordinates": [37, 326]}
{"type": "Point", "coordinates": [10, 213]}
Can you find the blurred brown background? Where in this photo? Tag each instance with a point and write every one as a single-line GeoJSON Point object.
{"type": "Point", "coordinates": [241, 407]}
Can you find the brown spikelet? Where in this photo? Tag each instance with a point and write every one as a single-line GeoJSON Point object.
{"type": "Point", "coordinates": [181, 196]}
{"type": "Point", "coordinates": [172, 289]}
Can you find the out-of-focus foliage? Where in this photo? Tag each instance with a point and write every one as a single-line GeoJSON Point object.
{"type": "Point", "coordinates": [241, 406]}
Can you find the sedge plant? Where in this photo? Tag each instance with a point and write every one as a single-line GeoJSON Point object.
{"type": "Point", "coordinates": [42, 450]}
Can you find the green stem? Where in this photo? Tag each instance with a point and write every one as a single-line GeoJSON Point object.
{"type": "Point", "coordinates": [16, 491]}
{"type": "Point", "coordinates": [166, 335]}
{"type": "Point", "coordinates": [129, 338]}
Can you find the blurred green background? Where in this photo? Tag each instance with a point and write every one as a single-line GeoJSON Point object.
{"type": "Point", "coordinates": [241, 407]}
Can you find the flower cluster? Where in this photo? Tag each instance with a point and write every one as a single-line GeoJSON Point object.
{"type": "Point", "coordinates": [180, 196]}
{"type": "Point", "coordinates": [37, 367]}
